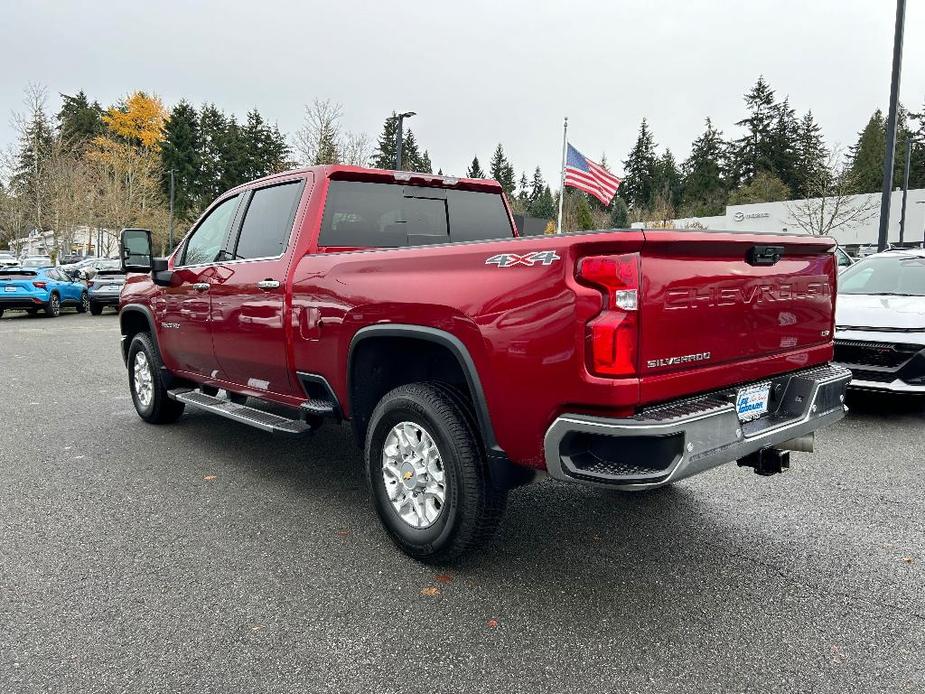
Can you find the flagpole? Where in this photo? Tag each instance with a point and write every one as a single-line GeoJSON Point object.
{"type": "Point", "coordinates": [562, 177]}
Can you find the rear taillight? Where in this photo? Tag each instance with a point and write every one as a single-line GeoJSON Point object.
{"type": "Point", "coordinates": [613, 334]}
{"type": "Point", "coordinates": [40, 285]}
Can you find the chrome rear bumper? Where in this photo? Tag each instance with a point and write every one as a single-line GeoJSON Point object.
{"type": "Point", "coordinates": [669, 442]}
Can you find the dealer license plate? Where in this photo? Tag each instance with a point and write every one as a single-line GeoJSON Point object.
{"type": "Point", "coordinates": [752, 402]}
{"type": "Point", "coordinates": [9, 289]}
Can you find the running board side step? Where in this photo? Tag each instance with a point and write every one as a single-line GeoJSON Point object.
{"type": "Point", "coordinates": [266, 421]}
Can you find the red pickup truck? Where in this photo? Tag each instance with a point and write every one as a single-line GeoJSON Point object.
{"type": "Point", "coordinates": [469, 360]}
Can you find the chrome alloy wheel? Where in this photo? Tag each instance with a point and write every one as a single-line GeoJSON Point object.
{"type": "Point", "coordinates": [144, 379]}
{"type": "Point", "coordinates": [413, 473]}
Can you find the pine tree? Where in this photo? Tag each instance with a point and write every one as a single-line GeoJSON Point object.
{"type": "Point", "coordinates": [811, 157]}
{"type": "Point", "coordinates": [753, 152]}
{"type": "Point", "coordinates": [212, 126]}
{"type": "Point", "coordinates": [917, 169]}
{"type": "Point", "coordinates": [180, 152]}
{"type": "Point", "coordinates": [278, 154]}
{"type": "Point", "coordinates": [502, 171]}
{"type": "Point", "coordinates": [704, 184]}
{"type": "Point", "coordinates": [412, 157]}
{"type": "Point", "coordinates": [475, 170]}
{"type": "Point", "coordinates": [784, 144]}
{"type": "Point", "coordinates": [384, 156]}
{"type": "Point", "coordinates": [537, 185]}
{"type": "Point", "coordinates": [326, 152]}
{"type": "Point", "coordinates": [523, 190]}
{"type": "Point", "coordinates": [264, 149]}
{"type": "Point", "coordinates": [583, 213]}
{"type": "Point", "coordinates": [667, 182]}
{"type": "Point", "coordinates": [540, 202]}
{"type": "Point", "coordinates": [866, 156]}
{"type": "Point", "coordinates": [903, 134]}
{"type": "Point", "coordinates": [233, 151]}
{"type": "Point", "coordinates": [619, 213]}
{"type": "Point", "coordinates": [79, 121]}
{"type": "Point", "coordinates": [28, 179]}
{"type": "Point", "coordinates": [638, 184]}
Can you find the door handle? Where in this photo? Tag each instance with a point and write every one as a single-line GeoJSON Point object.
{"type": "Point", "coordinates": [268, 284]}
{"type": "Point", "coordinates": [201, 286]}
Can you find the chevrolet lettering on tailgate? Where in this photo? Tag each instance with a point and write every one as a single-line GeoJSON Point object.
{"type": "Point", "coordinates": [693, 297]}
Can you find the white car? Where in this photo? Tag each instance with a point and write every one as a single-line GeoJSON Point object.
{"type": "Point", "coordinates": [880, 321]}
{"type": "Point", "coordinates": [8, 259]}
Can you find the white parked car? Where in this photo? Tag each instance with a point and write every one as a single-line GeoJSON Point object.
{"type": "Point", "coordinates": [8, 259]}
{"type": "Point", "coordinates": [880, 321]}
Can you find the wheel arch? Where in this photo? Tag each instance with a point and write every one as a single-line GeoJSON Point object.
{"type": "Point", "coordinates": [380, 335]}
{"type": "Point", "coordinates": [134, 319]}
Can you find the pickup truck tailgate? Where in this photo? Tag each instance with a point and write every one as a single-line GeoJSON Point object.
{"type": "Point", "coordinates": [712, 299]}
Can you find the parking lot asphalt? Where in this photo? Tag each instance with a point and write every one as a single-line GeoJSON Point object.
{"type": "Point", "coordinates": [209, 557]}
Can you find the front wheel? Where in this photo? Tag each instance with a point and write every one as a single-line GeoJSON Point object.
{"type": "Point", "coordinates": [144, 379]}
{"type": "Point", "coordinates": [84, 304]}
{"type": "Point", "coordinates": [427, 474]}
{"type": "Point", "coordinates": [53, 307]}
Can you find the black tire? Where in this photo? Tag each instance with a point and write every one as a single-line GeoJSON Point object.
{"type": "Point", "coordinates": [472, 507]}
{"type": "Point", "coordinates": [84, 304]}
{"type": "Point", "coordinates": [95, 309]}
{"type": "Point", "coordinates": [53, 307]}
{"type": "Point", "coordinates": [32, 311]}
{"type": "Point", "coordinates": [160, 409]}
{"type": "Point", "coordinates": [1, 313]}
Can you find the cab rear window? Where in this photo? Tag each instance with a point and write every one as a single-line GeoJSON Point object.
{"type": "Point", "coordinates": [389, 215]}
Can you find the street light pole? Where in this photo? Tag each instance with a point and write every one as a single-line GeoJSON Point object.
{"type": "Point", "coordinates": [401, 117]}
{"type": "Point", "coordinates": [170, 226]}
{"type": "Point", "coordinates": [891, 126]}
{"type": "Point", "coordinates": [902, 217]}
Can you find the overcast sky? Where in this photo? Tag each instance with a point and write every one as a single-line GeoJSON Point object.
{"type": "Point", "coordinates": [476, 72]}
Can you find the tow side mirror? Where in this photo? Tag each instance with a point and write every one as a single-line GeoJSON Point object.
{"type": "Point", "coordinates": [135, 250]}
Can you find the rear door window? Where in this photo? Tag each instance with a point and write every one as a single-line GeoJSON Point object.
{"type": "Point", "coordinates": [268, 221]}
{"type": "Point", "coordinates": [476, 216]}
{"type": "Point", "coordinates": [387, 215]}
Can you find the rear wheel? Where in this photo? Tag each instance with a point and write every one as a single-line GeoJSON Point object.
{"type": "Point", "coordinates": [144, 379]}
{"type": "Point", "coordinates": [53, 307]}
{"type": "Point", "coordinates": [1, 313]}
{"type": "Point", "coordinates": [427, 474]}
{"type": "Point", "coordinates": [84, 304]}
{"type": "Point", "coordinates": [95, 308]}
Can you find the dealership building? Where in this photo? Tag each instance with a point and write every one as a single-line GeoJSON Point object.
{"type": "Point", "coordinates": [782, 216]}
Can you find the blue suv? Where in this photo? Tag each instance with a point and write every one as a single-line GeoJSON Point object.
{"type": "Point", "coordinates": [47, 288]}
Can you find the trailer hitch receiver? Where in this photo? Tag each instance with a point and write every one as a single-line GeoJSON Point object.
{"type": "Point", "coordinates": [767, 461]}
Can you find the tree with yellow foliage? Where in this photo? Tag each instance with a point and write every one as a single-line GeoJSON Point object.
{"type": "Point", "coordinates": [138, 120]}
{"type": "Point", "coordinates": [127, 187]}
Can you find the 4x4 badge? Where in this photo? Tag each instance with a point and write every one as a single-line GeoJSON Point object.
{"type": "Point", "coordinates": [504, 260]}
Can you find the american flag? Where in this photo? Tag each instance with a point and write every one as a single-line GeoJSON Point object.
{"type": "Point", "coordinates": [592, 178]}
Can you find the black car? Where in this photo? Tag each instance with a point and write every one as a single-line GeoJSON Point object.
{"type": "Point", "coordinates": [105, 286]}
